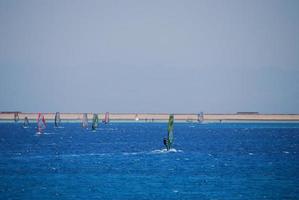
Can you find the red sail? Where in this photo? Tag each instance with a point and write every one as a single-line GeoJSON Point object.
{"type": "Point", "coordinates": [106, 118]}
{"type": "Point", "coordinates": [38, 117]}
{"type": "Point", "coordinates": [44, 121]}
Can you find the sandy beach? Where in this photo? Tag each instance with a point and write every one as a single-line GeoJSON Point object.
{"type": "Point", "coordinates": [158, 117]}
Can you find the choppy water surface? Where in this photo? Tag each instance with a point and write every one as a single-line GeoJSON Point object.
{"type": "Point", "coordinates": [127, 161]}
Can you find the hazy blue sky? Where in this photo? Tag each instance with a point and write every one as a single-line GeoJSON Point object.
{"type": "Point", "coordinates": [149, 56]}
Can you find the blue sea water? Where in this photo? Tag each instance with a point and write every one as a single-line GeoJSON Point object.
{"type": "Point", "coordinates": [127, 161]}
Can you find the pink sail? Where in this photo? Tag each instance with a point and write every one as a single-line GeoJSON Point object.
{"type": "Point", "coordinates": [106, 118]}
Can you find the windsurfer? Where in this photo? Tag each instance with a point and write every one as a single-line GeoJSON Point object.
{"type": "Point", "coordinates": [165, 142]}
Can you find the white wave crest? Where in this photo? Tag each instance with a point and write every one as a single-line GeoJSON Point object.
{"type": "Point", "coordinates": [45, 133]}
{"type": "Point", "coordinates": [159, 151]}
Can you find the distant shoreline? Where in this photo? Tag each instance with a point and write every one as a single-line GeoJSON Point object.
{"type": "Point", "coordinates": [157, 117]}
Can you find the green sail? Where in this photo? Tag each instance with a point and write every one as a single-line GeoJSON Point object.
{"type": "Point", "coordinates": [57, 119]}
{"type": "Point", "coordinates": [95, 122]}
{"type": "Point", "coordinates": [170, 132]}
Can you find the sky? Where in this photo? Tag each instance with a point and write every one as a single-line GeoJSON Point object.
{"type": "Point", "coordinates": [168, 56]}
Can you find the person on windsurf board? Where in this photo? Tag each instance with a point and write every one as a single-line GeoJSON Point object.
{"type": "Point", "coordinates": [168, 141]}
{"type": "Point", "coordinates": [85, 121]}
{"type": "Point", "coordinates": [106, 118]}
{"type": "Point", "coordinates": [41, 123]}
{"type": "Point", "coordinates": [95, 122]}
{"type": "Point", "coordinates": [26, 122]}
{"type": "Point", "coordinates": [57, 120]}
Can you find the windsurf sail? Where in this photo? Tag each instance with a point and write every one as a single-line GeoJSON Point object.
{"type": "Point", "coordinates": [16, 117]}
{"type": "Point", "coordinates": [41, 122]}
{"type": "Point", "coordinates": [136, 118]}
{"type": "Point", "coordinates": [85, 121]}
{"type": "Point", "coordinates": [26, 122]}
{"type": "Point", "coordinates": [57, 119]}
{"type": "Point", "coordinates": [106, 118]}
{"type": "Point", "coordinates": [95, 122]}
{"type": "Point", "coordinates": [200, 117]}
{"type": "Point", "coordinates": [169, 140]}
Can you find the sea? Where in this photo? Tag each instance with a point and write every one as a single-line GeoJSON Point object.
{"type": "Point", "coordinates": [129, 161]}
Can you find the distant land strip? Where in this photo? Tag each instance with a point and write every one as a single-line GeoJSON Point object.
{"type": "Point", "coordinates": [240, 116]}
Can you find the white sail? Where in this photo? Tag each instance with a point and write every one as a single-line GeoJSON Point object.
{"type": "Point", "coordinates": [200, 117]}
{"type": "Point", "coordinates": [41, 123]}
{"type": "Point", "coordinates": [26, 122]}
{"type": "Point", "coordinates": [85, 121]}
